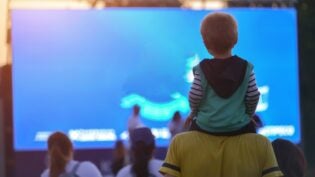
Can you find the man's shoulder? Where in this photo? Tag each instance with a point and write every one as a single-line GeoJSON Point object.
{"type": "Point", "coordinates": [189, 136]}
{"type": "Point", "coordinates": [87, 164]}
{"type": "Point", "coordinates": [255, 137]}
{"type": "Point", "coordinates": [125, 171]}
{"type": "Point", "coordinates": [88, 167]}
{"type": "Point", "coordinates": [250, 137]}
{"type": "Point", "coordinates": [186, 134]}
{"type": "Point", "coordinates": [45, 173]}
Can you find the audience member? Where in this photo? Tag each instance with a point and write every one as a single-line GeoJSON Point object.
{"type": "Point", "coordinates": [119, 157]}
{"type": "Point", "coordinates": [197, 154]}
{"type": "Point", "coordinates": [60, 159]}
{"type": "Point", "coordinates": [176, 125]}
{"type": "Point", "coordinates": [290, 158]}
{"type": "Point", "coordinates": [223, 98]}
{"type": "Point", "coordinates": [134, 120]}
{"type": "Point", "coordinates": [224, 94]}
{"type": "Point", "coordinates": [143, 163]}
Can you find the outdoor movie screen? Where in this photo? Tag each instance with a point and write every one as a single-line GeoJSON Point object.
{"type": "Point", "coordinates": [81, 71]}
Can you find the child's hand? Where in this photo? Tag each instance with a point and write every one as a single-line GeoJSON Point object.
{"type": "Point", "coordinates": [188, 121]}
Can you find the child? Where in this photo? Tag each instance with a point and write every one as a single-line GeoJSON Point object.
{"type": "Point", "coordinates": [224, 94]}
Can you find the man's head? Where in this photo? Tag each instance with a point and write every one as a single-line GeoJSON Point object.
{"type": "Point", "coordinates": [290, 158]}
{"type": "Point", "coordinates": [219, 32]}
{"type": "Point", "coordinates": [142, 143]}
{"type": "Point", "coordinates": [143, 135]}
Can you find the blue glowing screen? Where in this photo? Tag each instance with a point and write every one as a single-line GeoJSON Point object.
{"type": "Point", "coordinates": [81, 71]}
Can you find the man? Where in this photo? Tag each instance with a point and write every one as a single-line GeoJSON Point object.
{"type": "Point", "coordinates": [198, 154]}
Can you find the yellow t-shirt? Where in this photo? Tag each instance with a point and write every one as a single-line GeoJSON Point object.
{"type": "Point", "coordinates": [196, 154]}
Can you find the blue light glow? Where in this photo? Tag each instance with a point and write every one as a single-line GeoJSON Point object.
{"type": "Point", "coordinates": [81, 71]}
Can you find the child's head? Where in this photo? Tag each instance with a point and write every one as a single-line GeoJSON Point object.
{"type": "Point", "coordinates": [219, 32]}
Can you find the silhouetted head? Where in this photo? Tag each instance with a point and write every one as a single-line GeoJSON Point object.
{"type": "Point", "coordinates": [290, 158]}
{"type": "Point", "coordinates": [142, 148]}
{"type": "Point", "coordinates": [119, 150]}
{"type": "Point", "coordinates": [219, 32]}
{"type": "Point", "coordinates": [60, 151]}
{"type": "Point", "coordinates": [176, 117]}
{"type": "Point", "coordinates": [142, 135]}
{"type": "Point", "coordinates": [136, 109]}
{"type": "Point", "coordinates": [118, 160]}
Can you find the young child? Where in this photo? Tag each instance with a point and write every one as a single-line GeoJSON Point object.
{"type": "Point", "coordinates": [224, 94]}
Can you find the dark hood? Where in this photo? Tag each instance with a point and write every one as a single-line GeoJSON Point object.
{"type": "Point", "coordinates": [224, 75]}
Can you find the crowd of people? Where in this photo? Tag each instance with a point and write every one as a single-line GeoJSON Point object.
{"type": "Point", "coordinates": [192, 153]}
{"type": "Point", "coordinates": [218, 138]}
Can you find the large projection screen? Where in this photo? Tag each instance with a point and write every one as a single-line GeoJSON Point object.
{"type": "Point", "coordinates": [81, 71]}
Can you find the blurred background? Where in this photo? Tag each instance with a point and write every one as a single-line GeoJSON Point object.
{"type": "Point", "coordinates": [16, 162]}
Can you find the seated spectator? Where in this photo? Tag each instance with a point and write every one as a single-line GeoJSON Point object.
{"type": "Point", "coordinates": [142, 162]}
{"type": "Point", "coordinates": [198, 154]}
{"type": "Point", "coordinates": [290, 158]}
{"type": "Point", "coordinates": [60, 155]}
{"type": "Point", "coordinates": [119, 158]}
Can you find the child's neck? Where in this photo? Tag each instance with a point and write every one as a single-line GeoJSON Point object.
{"type": "Point", "coordinates": [223, 55]}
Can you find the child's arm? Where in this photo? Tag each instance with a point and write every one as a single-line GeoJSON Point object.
{"type": "Point", "coordinates": [189, 120]}
{"type": "Point", "coordinates": [252, 95]}
{"type": "Point", "coordinates": [195, 96]}
{"type": "Point", "coordinates": [195, 93]}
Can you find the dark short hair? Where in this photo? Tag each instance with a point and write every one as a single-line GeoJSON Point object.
{"type": "Point", "coordinates": [142, 134]}
{"type": "Point", "coordinates": [290, 158]}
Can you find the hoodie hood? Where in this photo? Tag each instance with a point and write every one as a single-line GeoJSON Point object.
{"type": "Point", "coordinates": [224, 75]}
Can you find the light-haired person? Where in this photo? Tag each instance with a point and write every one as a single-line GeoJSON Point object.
{"type": "Point", "coordinates": [224, 94]}
{"type": "Point", "coordinates": [60, 159]}
{"type": "Point", "coordinates": [223, 98]}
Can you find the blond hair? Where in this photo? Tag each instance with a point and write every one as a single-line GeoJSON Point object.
{"type": "Point", "coordinates": [219, 32]}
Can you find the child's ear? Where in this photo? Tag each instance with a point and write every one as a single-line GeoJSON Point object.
{"type": "Point", "coordinates": [236, 39]}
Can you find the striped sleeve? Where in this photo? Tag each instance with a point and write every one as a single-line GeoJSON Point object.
{"type": "Point", "coordinates": [195, 93]}
{"type": "Point", "coordinates": [252, 95]}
